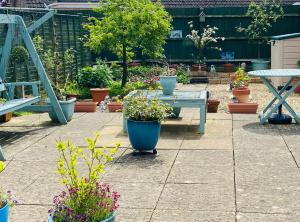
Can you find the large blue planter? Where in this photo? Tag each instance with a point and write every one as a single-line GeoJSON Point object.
{"type": "Point", "coordinates": [4, 213]}
{"type": "Point", "coordinates": [110, 219]}
{"type": "Point", "coordinates": [168, 84]}
{"type": "Point", "coordinates": [67, 108]}
{"type": "Point", "coordinates": [143, 135]}
{"type": "Point", "coordinates": [260, 64]}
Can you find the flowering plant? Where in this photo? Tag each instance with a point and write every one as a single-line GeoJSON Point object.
{"type": "Point", "coordinates": [242, 79]}
{"type": "Point", "coordinates": [139, 108]}
{"type": "Point", "coordinates": [86, 199]}
{"type": "Point", "coordinates": [204, 40]}
{"type": "Point", "coordinates": [5, 198]}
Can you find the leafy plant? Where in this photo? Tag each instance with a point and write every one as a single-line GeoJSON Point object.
{"type": "Point", "coordinates": [182, 76]}
{"type": "Point", "coordinates": [116, 88]}
{"type": "Point", "coordinates": [97, 76]}
{"type": "Point", "coordinates": [139, 108]}
{"type": "Point", "coordinates": [262, 16]}
{"type": "Point", "coordinates": [59, 66]}
{"type": "Point", "coordinates": [204, 41]}
{"type": "Point", "coordinates": [2, 100]}
{"type": "Point", "coordinates": [128, 26]}
{"type": "Point", "coordinates": [19, 54]}
{"type": "Point", "coordinates": [242, 79]}
{"type": "Point", "coordinates": [86, 198]}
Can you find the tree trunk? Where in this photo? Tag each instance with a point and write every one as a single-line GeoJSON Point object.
{"type": "Point", "coordinates": [125, 70]}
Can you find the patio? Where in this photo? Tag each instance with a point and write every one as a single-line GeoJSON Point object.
{"type": "Point", "coordinates": [238, 171]}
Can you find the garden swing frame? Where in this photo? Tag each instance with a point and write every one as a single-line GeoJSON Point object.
{"type": "Point", "coordinates": [16, 22]}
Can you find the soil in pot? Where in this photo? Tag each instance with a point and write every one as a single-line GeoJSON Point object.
{"type": "Point", "coordinates": [241, 94]}
{"type": "Point", "coordinates": [212, 105]}
{"type": "Point", "coordinates": [99, 94]}
{"type": "Point", "coordinates": [115, 107]}
{"type": "Point", "coordinates": [143, 135]}
{"type": "Point", "coordinates": [228, 67]}
{"type": "Point", "coordinates": [4, 213]}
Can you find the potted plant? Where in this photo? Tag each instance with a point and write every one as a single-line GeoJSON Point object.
{"type": "Point", "coordinates": [143, 121]}
{"type": "Point", "coordinates": [228, 67]}
{"type": "Point", "coordinates": [262, 16]}
{"type": "Point", "coordinates": [97, 78]}
{"type": "Point", "coordinates": [5, 201]}
{"type": "Point", "coordinates": [59, 67]}
{"type": "Point", "coordinates": [115, 105]}
{"type": "Point", "coordinates": [86, 198]}
{"type": "Point", "coordinates": [203, 42]}
{"type": "Point", "coordinates": [240, 89]}
{"type": "Point", "coordinates": [168, 81]}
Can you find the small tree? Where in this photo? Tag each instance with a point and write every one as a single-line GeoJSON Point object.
{"type": "Point", "coordinates": [204, 41]}
{"type": "Point", "coordinates": [126, 26]}
{"type": "Point", "coordinates": [262, 16]}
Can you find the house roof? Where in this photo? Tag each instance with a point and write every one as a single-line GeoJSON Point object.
{"type": "Point", "coordinates": [167, 3]}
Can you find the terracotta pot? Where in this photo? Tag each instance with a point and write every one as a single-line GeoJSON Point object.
{"type": "Point", "coordinates": [228, 67]}
{"type": "Point", "coordinates": [6, 117]}
{"type": "Point", "coordinates": [196, 67]}
{"type": "Point", "coordinates": [243, 108]}
{"type": "Point", "coordinates": [212, 105]}
{"type": "Point", "coordinates": [297, 90]}
{"type": "Point", "coordinates": [88, 107]}
{"type": "Point", "coordinates": [241, 94]}
{"type": "Point", "coordinates": [173, 66]}
{"type": "Point", "coordinates": [98, 94]}
{"type": "Point", "coordinates": [115, 107]}
{"type": "Point", "coordinates": [134, 64]}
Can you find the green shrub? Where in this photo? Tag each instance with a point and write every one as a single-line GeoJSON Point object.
{"type": "Point", "coordinates": [182, 76]}
{"type": "Point", "coordinates": [19, 54]}
{"type": "Point", "coordinates": [97, 76]}
{"type": "Point", "coordinates": [117, 90]}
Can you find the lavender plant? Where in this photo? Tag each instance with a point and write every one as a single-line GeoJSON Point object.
{"type": "Point", "coordinates": [86, 199]}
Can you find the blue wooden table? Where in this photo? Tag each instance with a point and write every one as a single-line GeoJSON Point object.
{"type": "Point", "coordinates": [189, 99]}
{"type": "Point", "coordinates": [281, 95]}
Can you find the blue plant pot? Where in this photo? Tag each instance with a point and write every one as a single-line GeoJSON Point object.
{"type": "Point", "coordinates": [176, 112]}
{"type": "Point", "coordinates": [168, 84]}
{"type": "Point", "coordinates": [143, 135]}
{"type": "Point", "coordinates": [4, 213]}
{"type": "Point", "coordinates": [110, 219]}
{"type": "Point", "coordinates": [260, 64]}
{"type": "Point", "coordinates": [67, 108]}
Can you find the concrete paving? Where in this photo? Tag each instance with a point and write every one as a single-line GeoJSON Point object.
{"type": "Point", "coordinates": [239, 171]}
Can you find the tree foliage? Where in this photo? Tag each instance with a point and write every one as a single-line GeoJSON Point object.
{"type": "Point", "coordinates": [128, 26]}
{"type": "Point", "coordinates": [262, 16]}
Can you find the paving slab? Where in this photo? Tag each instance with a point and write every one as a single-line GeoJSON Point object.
{"type": "Point", "coordinates": [138, 195]}
{"type": "Point", "coordinates": [146, 168]}
{"type": "Point", "coordinates": [260, 217]}
{"type": "Point", "coordinates": [28, 213]}
{"type": "Point", "coordinates": [133, 215]}
{"type": "Point", "coordinates": [197, 197]}
{"type": "Point", "coordinates": [192, 216]}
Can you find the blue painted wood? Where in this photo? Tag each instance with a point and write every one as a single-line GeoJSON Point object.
{"type": "Point", "coordinates": [190, 99]}
{"type": "Point", "coordinates": [41, 71]}
{"type": "Point", "coordinates": [2, 158]}
{"type": "Point", "coordinates": [287, 36]}
{"type": "Point", "coordinates": [16, 104]}
{"type": "Point", "coordinates": [279, 97]}
{"type": "Point", "coordinates": [7, 50]}
{"type": "Point", "coordinates": [41, 21]}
